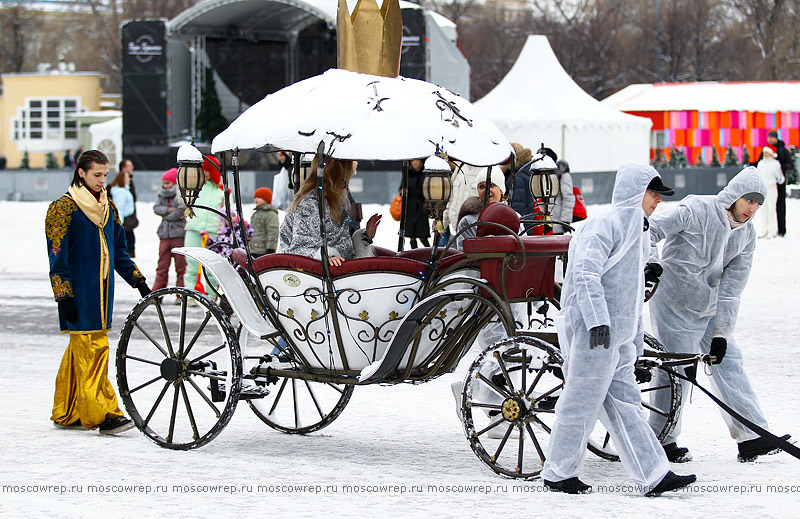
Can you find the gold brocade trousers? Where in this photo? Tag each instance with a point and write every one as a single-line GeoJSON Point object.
{"type": "Point", "coordinates": [83, 391]}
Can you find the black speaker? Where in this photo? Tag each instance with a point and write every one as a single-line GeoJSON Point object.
{"type": "Point", "coordinates": [144, 95]}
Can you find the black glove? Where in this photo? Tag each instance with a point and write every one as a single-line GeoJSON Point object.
{"type": "Point", "coordinates": [652, 271]}
{"type": "Point", "coordinates": [67, 310]}
{"type": "Point", "coordinates": [718, 348]}
{"type": "Point", "coordinates": [144, 290]}
{"type": "Point", "coordinates": [599, 335]}
{"type": "Point", "coordinates": [642, 375]}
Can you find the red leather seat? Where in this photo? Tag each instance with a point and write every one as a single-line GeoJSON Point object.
{"type": "Point", "coordinates": [513, 276]}
{"type": "Point", "coordinates": [351, 266]}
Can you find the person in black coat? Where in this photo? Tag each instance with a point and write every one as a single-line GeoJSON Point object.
{"type": "Point", "coordinates": [417, 225]}
{"type": "Point", "coordinates": [522, 200]}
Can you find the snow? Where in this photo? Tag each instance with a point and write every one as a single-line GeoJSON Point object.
{"type": "Point", "coordinates": [189, 153]}
{"type": "Point", "coordinates": [396, 451]}
{"type": "Point", "coordinates": [353, 113]}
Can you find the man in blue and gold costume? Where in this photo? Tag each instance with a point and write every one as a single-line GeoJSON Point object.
{"type": "Point", "coordinates": [85, 241]}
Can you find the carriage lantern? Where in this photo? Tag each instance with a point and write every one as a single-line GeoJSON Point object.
{"type": "Point", "coordinates": [436, 188]}
{"type": "Point", "coordinates": [305, 167]}
{"type": "Point", "coordinates": [190, 175]}
{"type": "Point", "coordinates": [544, 179]}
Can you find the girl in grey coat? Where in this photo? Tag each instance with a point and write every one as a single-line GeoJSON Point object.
{"type": "Point", "coordinates": [171, 231]}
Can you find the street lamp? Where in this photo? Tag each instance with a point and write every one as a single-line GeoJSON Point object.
{"type": "Point", "coordinates": [544, 180]}
{"type": "Point", "coordinates": [190, 175]}
{"type": "Point", "coordinates": [436, 188]}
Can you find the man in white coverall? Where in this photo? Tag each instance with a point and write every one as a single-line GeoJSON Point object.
{"type": "Point", "coordinates": [600, 333]}
{"type": "Point", "coordinates": [706, 261]}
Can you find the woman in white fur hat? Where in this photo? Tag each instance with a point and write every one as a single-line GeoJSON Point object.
{"type": "Point", "coordinates": [769, 169]}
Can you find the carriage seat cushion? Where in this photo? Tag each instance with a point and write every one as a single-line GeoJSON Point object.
{"type": "Point", "coordinates": [351, 266]}
{"type": "Point", "coordinates": [499, 213]}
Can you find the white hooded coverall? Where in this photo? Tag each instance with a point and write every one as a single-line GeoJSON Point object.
{"type": "Point", "coordinates": [706, 265]}
{"type": "Point", "coordinates": [604, 285]}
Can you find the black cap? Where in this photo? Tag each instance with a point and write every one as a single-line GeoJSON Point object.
{"type": "Point", "coordinates": [755, 196]}
{"type": "Point", "coordinates": [772, 133]}
{"type": "Point", "coordinates": [657, 186]}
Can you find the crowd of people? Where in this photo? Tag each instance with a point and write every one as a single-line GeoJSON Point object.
{"type": "Point", "coordinates": [702, 269]}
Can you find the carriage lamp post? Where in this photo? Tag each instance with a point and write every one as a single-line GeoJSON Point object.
{"type": "Point", "coordinates": [436, 188]}
{"type": "Point", "coordinates": [190, 175]}
{"type": "Point", "coordinates": [544, 181]}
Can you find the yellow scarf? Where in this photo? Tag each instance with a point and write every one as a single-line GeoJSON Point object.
{"type": "Point", "coordinates": [97, 212]}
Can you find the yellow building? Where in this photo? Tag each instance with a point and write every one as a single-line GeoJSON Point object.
{"type": "Point", "coordinates": [36, 114]}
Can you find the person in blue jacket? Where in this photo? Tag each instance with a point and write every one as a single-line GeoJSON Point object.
{"type": "Point", "coordinates": [85, 245]}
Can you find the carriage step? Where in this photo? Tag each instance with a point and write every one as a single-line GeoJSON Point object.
{"type": "Point", "coordinates": [253, 392]}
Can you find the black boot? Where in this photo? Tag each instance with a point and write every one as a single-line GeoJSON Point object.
{"type": "Point", "coordinates": [752, 449]}
{"type": "Point", "coordinates": [677, 454]}
{"type": "Point", "coordinates": [671, 482]}
{"type": "Point", "coordinates": [569, 486]}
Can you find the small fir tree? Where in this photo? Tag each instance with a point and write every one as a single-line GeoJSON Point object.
{"type": "Point", "coordinates": [658, 160]}
{"type": "Point", "coordinates": [681, 160]}
{"type": "Point", "coordinates": [26, 163]}
{"type": "Point", "coordinates": [745, 156]}
{"type": "Point", "coordinates": [715, 163]}
{"type": "Point", "coordinates": [210, 121]}
{"type": "Point", "coordinates": [730, 157]}
{"type": "Point", "coordinates": [51, 162]}
{"type": "Point", "coordinates": [674, 156]}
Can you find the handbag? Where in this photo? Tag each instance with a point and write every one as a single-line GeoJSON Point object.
{"type": "Point", "coordinates": [130, 222]}
{"type": "Point", "coordinates": [579, 211]}
{"type": "Point", "coordinates": [396, 208]}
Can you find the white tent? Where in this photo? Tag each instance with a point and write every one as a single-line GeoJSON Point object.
{"type": "Point", "coordinates": [107, 137]}
{"type": "Point", "coordinates": [538, 102]}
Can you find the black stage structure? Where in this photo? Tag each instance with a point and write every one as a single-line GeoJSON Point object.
{"type": "Point", "coordinates": [253, 48]}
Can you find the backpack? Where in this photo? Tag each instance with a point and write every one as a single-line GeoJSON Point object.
{"type": "Point", "coordinates": [579, 212]}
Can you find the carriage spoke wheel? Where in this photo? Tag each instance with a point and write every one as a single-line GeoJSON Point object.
{"type": "Point", "coordinates": [508, 404]}
{"type": "Point", "coordinates": [294, 405]}
{"type": "Point", "coordinates": [179, 368]}
{"type": "Point", "coordinates": [661, 396]}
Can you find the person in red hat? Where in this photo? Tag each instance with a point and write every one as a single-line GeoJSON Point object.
{"type": "Point", "coordinates": [171, 231]}
{"type": "Point", "coordinates": [265, 224]}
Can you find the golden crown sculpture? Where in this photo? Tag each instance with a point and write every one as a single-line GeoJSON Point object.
{"type": "Point", "coordinates": [370, 39]}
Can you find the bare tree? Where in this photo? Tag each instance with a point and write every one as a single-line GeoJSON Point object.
{"type": "Point", "coordinates": [769, 26]}
{"type": "Point", "coordinates": [19, 28]}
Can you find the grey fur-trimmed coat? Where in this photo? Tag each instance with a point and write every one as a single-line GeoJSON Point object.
{"type": "Point", "coordinates": [173, 223]}
{"type": "Point", "coordinates": [300, 233]}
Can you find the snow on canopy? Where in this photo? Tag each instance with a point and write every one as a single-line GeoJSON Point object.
{"type": "Point", "coordinates": [709, 96]}
{"type": "Point", "coordinates": [366, 117]}
{"type": "Point", "coordinates": [538, 102]}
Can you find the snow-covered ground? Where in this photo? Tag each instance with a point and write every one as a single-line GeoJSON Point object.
{"type": "Point", "coordinates": [394, 452]}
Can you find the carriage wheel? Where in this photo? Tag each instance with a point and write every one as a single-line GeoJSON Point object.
{"type": "Point", "coordinates": [179, 368]}
{"type": "Point", "coordinates": [297, 406]}
{"type": "Point", "coordinates": [508, 404]}
{"type": "Point", "coordinates": [660, 395]}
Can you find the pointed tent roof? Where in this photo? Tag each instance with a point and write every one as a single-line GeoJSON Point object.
{"type": "Point", "coordinates": [537, 88]}
{"type": "Point", "coordinates": [538, 102]}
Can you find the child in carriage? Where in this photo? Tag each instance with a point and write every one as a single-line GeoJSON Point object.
{"type": "Point", "coordinates": [300, 231]}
